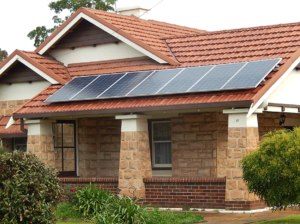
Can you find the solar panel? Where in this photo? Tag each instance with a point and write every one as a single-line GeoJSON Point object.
{"type": "Point", "coordinates": [154, 82]}
{"type": "Point", "coordinates": [217, 77]}
{"type": "Point", "coordinates": [252, 74]}
{"type": "Point", "coordinates": [170, 81]}
{"type": "Point", "coordinates": [71, 88]}
{"type": "Point", "coordinates": [127, 83]}
{"type": "Point", "coordinates": [102, 83]}
{"type": "Point", "coordinates": [185, 79]}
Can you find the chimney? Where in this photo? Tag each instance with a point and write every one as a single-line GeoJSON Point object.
{"type": "Point", "coordinates": [134, 10]}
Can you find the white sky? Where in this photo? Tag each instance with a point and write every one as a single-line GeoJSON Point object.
{"type": "Point", "coordinates": [19, 17]}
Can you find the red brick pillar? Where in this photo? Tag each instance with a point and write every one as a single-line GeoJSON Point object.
{"type": "Point", "coordinates": [135, 160]}
{"type": "Point", "coordinates": [242, 139]}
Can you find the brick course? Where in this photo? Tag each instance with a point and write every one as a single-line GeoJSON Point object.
{"type": "Point", "coordinates": [177, 192]}
{"type": "Point", "coordinates": [110, 183]}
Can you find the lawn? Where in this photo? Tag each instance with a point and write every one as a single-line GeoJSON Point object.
{"type": "Point", "coordinates": [287, 220]}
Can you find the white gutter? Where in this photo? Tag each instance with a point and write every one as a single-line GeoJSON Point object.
{"type": "Point", "coordinates": [273, 87]}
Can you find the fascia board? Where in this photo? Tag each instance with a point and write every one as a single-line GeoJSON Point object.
{"type": "Point", "coordinates": [114, 33]}
{"type": "Point", "coordinates": [33, 68]}
{"type": "Point", "coordinates": [273, 87]}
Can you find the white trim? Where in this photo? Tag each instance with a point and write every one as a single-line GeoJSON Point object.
{"type": "Point", "coordinates": [33, 68]}
{"type": "Point", "coordinates": [10, 122]}
{"type": "Point", "coordinates": [106, 29]}
{"type": "Point", "coordinates": [219, 210]}
{"type": "Point", "coordinates": [241, 111]}
{"type": "Point", "coordinates": [273, 87]}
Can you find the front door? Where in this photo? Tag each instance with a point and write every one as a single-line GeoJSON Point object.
{"type": "Point", "coordinates": [65, 147]}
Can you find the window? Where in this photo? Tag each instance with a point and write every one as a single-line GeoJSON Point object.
{"type": "Point", "coordinates": [65, 147]}
{"type": "Point", "coordinates": [20, 144]}
{"type": "Point", "coordinates": [161, 144]}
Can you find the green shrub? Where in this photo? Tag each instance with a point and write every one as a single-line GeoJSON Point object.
{"type": "Point", "coordinates": [91, 200]}
{"type": "Point", "coordinates": [29, 190]}
{"type": "Point", "coordinates": [273, 171]}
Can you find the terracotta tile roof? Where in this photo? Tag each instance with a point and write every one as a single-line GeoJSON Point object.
{"type": "Point", "coordinates": [50, 63]}
{"type": "Point", "coordinates": [268, 42]}
{"type": "Point", "coordinates": [229, 46]}
{"type": "Point", "coordinates": [137, 104]}
{"type": "Point", "coordinates": [46, 64]}
{"type": "Point", "coordinates": [148, 31]}
{"type": "Point", "coordinates": [12, 131]}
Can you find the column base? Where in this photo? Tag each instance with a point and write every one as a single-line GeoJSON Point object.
{"type": "Point", "coordinates": [245, 205]}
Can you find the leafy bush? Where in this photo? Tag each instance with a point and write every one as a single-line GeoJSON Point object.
{"type": "Point", "coordinates": [273, 171]}
{"type": "Point", "coordinates": [70, 193]}
{"type": "Point", "coordinates": [29, 190]}
{"type": "Point", "coordinates": [91, 200]}
{"type": "Point", "coordinates": [122, 210]}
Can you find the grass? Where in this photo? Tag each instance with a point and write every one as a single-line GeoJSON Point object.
{"type": "Point", "coordinates": [287, 220]}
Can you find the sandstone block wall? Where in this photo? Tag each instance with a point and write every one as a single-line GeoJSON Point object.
{"type": "Point", "coordinates": [7, 107]}
{"type": "Point", "coordinates": [199, 144]}
{"type": "Point", "coordinates": [42, 146]}
{"type": "Point", "coordinates": [99, 147]}
{"type": "Point", "coordinates": [241, 141]}
{"type": "Point", "coordinates": [135, 163]}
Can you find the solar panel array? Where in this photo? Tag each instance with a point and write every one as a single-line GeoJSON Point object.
{"type": "Point", "coordinates": [244, 75]}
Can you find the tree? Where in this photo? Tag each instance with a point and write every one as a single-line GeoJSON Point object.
{"type": "Point", "coordinates": [273, 171]}
{"type": "Point", "coordinates": [3, 55]}
{"type": "Point", "coordinates": [40, 33]}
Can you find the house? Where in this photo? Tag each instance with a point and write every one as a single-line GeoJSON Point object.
{"type": "Point", "coordinates": [83, 102]}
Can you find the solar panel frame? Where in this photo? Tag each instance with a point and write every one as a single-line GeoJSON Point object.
{"type": "Point", "coordinates": [154, 85]}
{"type": "Point", "coordinates": [95, 88]}
{"type": "Point", "coordinates": [126, 84]}
{"type": "Point", "coordinates": [165, 82]}
{"type": "Point", "coordinates": [216, 77]}
{"type": "Point", "coordinates": [65, 90]}
{"type": "Point", "coordinates": [244, 74]}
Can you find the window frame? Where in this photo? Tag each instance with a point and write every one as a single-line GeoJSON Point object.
{"type": "Point", "coordinates": [67, 173]}
{"type": "Point", "coordinates": [152, 145]}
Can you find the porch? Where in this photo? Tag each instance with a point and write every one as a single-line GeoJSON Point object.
{"type": "Point", "coordinates": [168, 160]}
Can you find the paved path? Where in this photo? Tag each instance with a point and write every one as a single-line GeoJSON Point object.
{"type": "Point", "coordinates": [216, 218]}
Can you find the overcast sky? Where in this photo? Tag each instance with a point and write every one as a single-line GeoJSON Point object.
{"type": "Point", "coordinates": [19, 17]}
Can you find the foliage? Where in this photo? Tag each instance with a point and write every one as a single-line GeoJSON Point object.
{"type": "Point", "coordinates": [70, 193]}
{"type": "Point", "coordinates": [29, 190]}
{"type": "Point", "coordinates": [157, 217]}
{"type": "Point", "coordinates": [40, 33]}
{"type": "Point", "coordinates": [91, 200]}
{"type": "Point", "coordinates": [122, 210]}
{"type": "Point", "coordinates": [3, 55]}
{"type": "Point", "coordinates": [273, 171]}
{"type": "Point", "coordinates": [66, 210]}
{"type": "Point", "coordinates": [2, 151]}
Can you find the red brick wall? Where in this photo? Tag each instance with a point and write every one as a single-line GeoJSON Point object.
{"type": "Point", "coordinates": [244, 205]}
{"type": "Point", "coordinates": [108, 183]}
{"type": "Point", "coordinates": [177, 192]}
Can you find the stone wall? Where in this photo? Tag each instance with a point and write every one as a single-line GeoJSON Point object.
{"type": "Point", "coordinates": [199, 144]}
{"type": "Point", "coordinates": [177, 192]}
{"type": "Point", "coordinates": [7, 107]}
{"type": "Point", "coordinates": [42, 146]}
{"type": "Point", "coordinates": [99, 147]}
{"type": "Point", "coordinates": [135, 163]}
{"type": "Point", "coordinates": [241, 141]}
